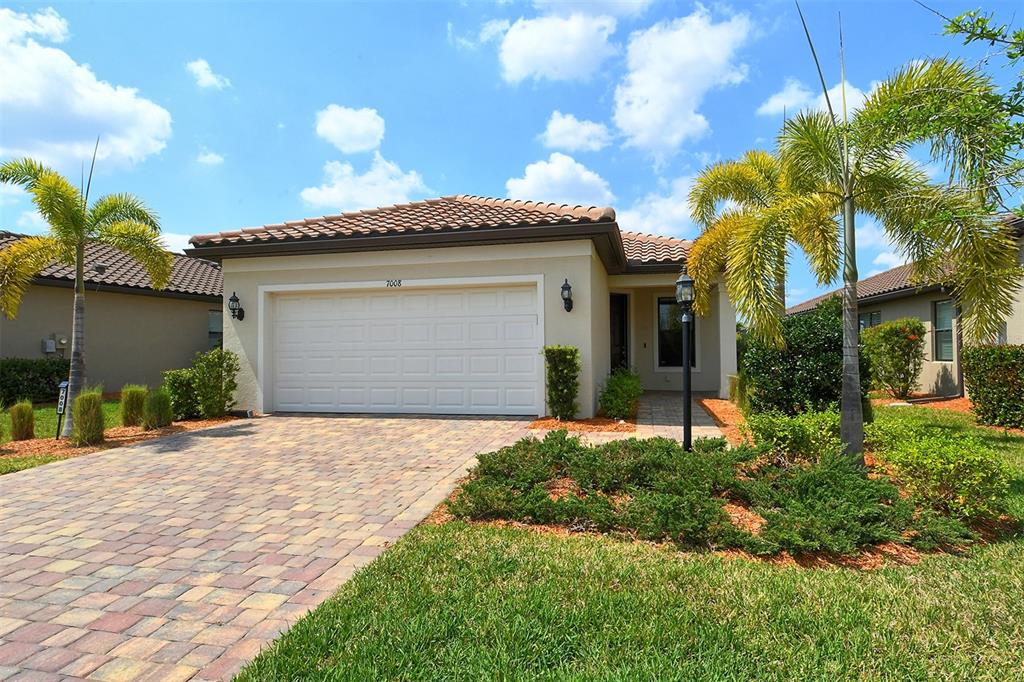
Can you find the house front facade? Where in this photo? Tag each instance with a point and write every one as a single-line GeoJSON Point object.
{"type": "Point", "coordinates": [132, 332]}
{"type": "Point", "coordinates": [443, 307]}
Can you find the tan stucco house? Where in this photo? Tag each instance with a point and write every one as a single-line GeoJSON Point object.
{"type": "Point", "coordinates": [132, 332]}
{"type": "Point", "coordinates": [442, 306]}
{"type": "Point", "coordinates": [891, 295]}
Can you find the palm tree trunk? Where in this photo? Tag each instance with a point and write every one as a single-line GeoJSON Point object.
{"type": "Point", "coordinates": [851, 424]}
{"type": "Point", "coordinates": [76, 380]}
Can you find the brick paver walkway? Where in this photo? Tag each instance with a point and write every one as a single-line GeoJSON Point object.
{"type": "Point", "coordinates": [180, 558]}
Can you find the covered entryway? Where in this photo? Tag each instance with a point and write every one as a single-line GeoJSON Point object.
{"type": "Point", "coordinates": [408, 349]}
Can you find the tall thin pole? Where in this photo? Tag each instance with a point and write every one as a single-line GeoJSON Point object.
{"type": "Point", "coordinates": [687, 319]}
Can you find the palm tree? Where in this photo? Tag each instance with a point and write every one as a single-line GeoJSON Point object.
{"type": "Point", "coordinates": [749, 217]}
{"type": "Point", "coordinates": [121, 221]}
{"type": "Point", "coordinates": [861, 164]}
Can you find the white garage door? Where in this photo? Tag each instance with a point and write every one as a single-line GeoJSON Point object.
{"type": "Point", "coordinates": [440, 351]}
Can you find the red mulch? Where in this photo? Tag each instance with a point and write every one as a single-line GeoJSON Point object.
{"type": "Point", "coordinates": [727, 416]}
{"type": "Point", "coordinates": [594, 424]}
{"type": "Point", "coordinates": [114, 437]}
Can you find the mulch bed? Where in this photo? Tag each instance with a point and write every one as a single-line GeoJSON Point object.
{"type": "Point", "coordinates": [594, 424]}
{"type": "Point", "coordinates": [114, 437]}
{"type": "Point", "coordinates": [962, 405]}
{"type": "Point", "coordinates": [727, 416]}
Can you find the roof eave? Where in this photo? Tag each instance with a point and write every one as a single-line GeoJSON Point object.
{"type": "Point", "coordinates": [99, 287]}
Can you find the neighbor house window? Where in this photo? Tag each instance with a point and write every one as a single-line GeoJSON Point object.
{"type": "Point", "coordinates": [866, 320]}
{"type": "Point", "coordinates": [942, 323]}
{"type": "Point", "coordinates": [215, 328]}
{"type": "Point", "coordinates": [670, 335]}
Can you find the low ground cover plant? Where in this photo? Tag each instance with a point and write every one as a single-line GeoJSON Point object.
{"type": "Point", "coordinates": [620, 396]}
{"type": "Point", "coordinates": [23, 421]}
{"type": "Point", "coordinates": [994, 376]}
{"type": "Point", "coordinates": [805, 495]}
{"type": "Point", "coordinates": [896, 352]}
{"type": "Point", "coordinates": [133, 403]}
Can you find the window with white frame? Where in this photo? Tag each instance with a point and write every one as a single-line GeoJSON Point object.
{"type": "Point", "coordinates": [942, 328]}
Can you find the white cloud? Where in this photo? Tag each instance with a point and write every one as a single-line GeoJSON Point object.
{"type": "Point", "coordinates": [796, 96]}
{"type": "Point", "coordinates": [490, 31]}
{"type": "Point", "coordinates": [671, 67]}
{"type": "Point", "coordinates": [556, 48]}
{"type": "Point", "coordinates": [871, 236]}
{"type": "Point", "coordinates": [344, 189]}
{"type": "Point", "coordinates": [11, 194]}
{"type": "Point", "coordinates": [617, 8]}
{"type": "Point", "coordinates": [350, 130]}
{"type": "Point", "coordinates": [793, 97]}
{"type": "Point", "coordinates": [32, 221]}
{"type": "Point", "coordinates": [666, 213]}
{"type": "Point", "coordinates": [175, 241]}
{"type": "Point", "coordinates": [204, 75]}
{"type": "Point", "coordinates": [53, 107]}
{"type": "Point", "coordinates": [561, 179]}
{"type": "Point", "coordinates": [889, 259]}
{"type": "Point", "coordinates": [565, 131]}
{"type": "Point", "coordinates": [209, 158]}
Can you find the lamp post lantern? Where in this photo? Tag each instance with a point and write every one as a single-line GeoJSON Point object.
{"type": "Point", "coordinates": [684, 297]}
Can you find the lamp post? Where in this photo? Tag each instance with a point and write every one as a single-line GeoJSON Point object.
{"type": "Point", "coordinates": [684, 297]}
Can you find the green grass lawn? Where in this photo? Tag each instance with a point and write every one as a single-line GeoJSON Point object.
{"type": "Point", "coordinates": [471, 602]}
{"type": "Point", "coordinates": [46, 420]}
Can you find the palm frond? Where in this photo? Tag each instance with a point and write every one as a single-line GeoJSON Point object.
{"type": "Point", "coordinates": [114, 208]}
{"type": "Point", "coordinates": [60, 204]}
{"type": "Point", "coordinates": [757, 256]}
{"type": "Point", "coordinates": [810, 150]}
{"type": "Point", "coordinates": [985, 275]}
{"type": "Point", "coordinates": [142, 243]}
{"type": "Point", "coordinates": [22, 171]}
{"type": "Point", "coordinates": [708, 257]}
{"type": "Point", "coordinates": [733, 181]}
{"type": "Point", "coordinates": [19, 263]}
{"type": "Point", "coordinates": [813, 227]}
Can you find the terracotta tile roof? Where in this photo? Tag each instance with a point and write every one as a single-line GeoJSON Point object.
{"type": "Point", "coordinates": [648, 248]}
{"type": "Point", "coordinates": [193, 276]}
{"type": "Point", "coordinates": [890, 281]}
{"type": "Point", "coordinates": [451, 215]}
{"type": "Point", "coordinates": [446, 214]}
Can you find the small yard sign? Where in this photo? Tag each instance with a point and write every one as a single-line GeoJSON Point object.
{"type": "Point", "coordinates": [62, 401]}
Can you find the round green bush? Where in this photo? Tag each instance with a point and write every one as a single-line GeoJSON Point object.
{"type": "Point", "coordinates": [620, 396]}
{"type": "Point", "coordinates": [994, 376]}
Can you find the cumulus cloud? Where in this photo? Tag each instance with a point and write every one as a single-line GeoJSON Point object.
{"type": "Point", "coordinates": [671, 67]}
{"type": "Point", "coordinates": [204, 75]}
{"type": "Point", "coordinates": [561, 179]}
{"type": "Point", "coordinates": [889, 259]}
{"type": "Point", "coordinates": [209, 158]}
{"type": "Point", "coordinates": [53, 107]}
{"type": "Point", "coordinates": [350, 130]}
{"type": "Point", "coordinates": [795, 96]}
{"type": "Point", "coordinates": [556, 48]}
{"type": "Point", "coordinates": [32, 221]}
{"type": "Point", "coordinates": [489, 32]}
{"type": "Point", "coordinates": [665, 213]}
{"type": "Point", "coordinates": [382, 184]}
{"type": "Point", "coordinates": [565, 131]}
{"type": "Point", "coordinates": [617, 8]}
{"type": "Point", "coordinates": [175, 241]}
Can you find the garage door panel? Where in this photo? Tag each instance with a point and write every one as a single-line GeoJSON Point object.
{"type": "Point", "coordinates": [473, 351]}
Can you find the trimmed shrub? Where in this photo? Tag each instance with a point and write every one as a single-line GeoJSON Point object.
{"type": "Point", "coordinates": [180, 385]}
{"type": "Point", "coordinates": [133, 404]}
{"type": "Point", "coordinates": [214, 373]}
{"type": "Point", "coordinates": [994, 376]}
{"type": "Point", "coordinates": [896, 352]}
{"type": "Point", "coordinates": [35, 379]}
{"type": "Point", "coordinates": [158, 411]}
{"type": "Point", "coordinates": [805, 436]}
{"type": "Point", "coordinates": [620, 396]}
{"type": "Point", "coordinates": [23, 421]}
{"type": "Point", "coordinates": [563, 378]}
{"type": "Point", "coordinates": [805, 375]}
{"type": "Point", "coordinates": [958, 475]}
{"type": "Point", "coordinates": [87, 413]}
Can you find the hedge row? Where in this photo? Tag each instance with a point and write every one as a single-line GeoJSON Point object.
{"type": "Point", "coordinates": [994, 376]}
{"type": "Point", "coordinates": [35, 379]}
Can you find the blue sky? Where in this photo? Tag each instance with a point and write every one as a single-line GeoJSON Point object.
{"type": "Point", "coordinates": [228, 115]}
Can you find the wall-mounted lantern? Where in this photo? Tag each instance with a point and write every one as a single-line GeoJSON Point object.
{"type": "Point", "coordinates": [567, 295]}
{"type": "Point", "coordinates": [235, 306]}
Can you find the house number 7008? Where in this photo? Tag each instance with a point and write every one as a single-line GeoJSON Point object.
{"type": "Point", "coordinates": [394, 282]}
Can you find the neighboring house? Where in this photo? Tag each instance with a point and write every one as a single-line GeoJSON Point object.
{"type": "Point", "coordinates": [890, 295]}
{"type": "Point", "coordinates": [132, 332]}
{"type": "Point", "coordinates": [443, 306]}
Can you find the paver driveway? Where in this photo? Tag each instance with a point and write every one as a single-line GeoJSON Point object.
{"type": "Point", "coordinates": [180, 558]}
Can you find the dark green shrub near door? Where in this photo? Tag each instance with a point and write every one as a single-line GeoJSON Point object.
{"type": "Point", "coordinates": [994, 377]}
{"type": "Point", "coordinates": [563, 377]}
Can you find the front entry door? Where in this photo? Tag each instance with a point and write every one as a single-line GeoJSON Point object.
{"type": "Point", "coordinates": [620, 330]}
